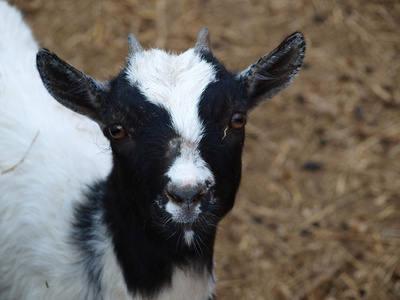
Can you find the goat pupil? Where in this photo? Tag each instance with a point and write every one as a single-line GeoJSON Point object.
{"type": "Point", "coordinates": [116, 131]}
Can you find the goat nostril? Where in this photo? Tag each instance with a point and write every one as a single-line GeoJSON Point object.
{"type": "Point", "coordinates": [186, 194]}
{"type": "Point", "coordinates": [173, 197]}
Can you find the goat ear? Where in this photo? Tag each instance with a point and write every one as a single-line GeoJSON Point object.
{"type": "Point", "coordinates": [274, 71]}
{"type": "Point", "coordinates": [69, 86]}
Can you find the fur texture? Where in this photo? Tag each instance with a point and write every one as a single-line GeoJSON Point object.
{"type": "Point", "coordinates": [35, 245]}
{"type": "Point", "coordinates": [78, 221]}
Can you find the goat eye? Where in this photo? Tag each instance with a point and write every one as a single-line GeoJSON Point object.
{"type": "Point", "coordinates": [238, 120]}
{"type": "Point", "coordinates": [116, 131]}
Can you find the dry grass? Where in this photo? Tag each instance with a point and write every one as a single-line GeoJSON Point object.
{"type": "Point", "coordinates": [318, 213]}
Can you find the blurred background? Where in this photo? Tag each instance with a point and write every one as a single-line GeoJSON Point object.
{"type": "Point", "coordinates": [318, 212]}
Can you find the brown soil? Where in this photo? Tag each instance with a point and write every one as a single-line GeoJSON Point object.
{"type": "Point", "coordinates": [318, 212]}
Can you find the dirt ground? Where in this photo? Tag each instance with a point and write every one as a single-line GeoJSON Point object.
{"type": "Point", "coordinates": [318, 212]}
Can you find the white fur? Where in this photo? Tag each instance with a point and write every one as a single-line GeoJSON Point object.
{"type": "Point", "coordinates": [188, 169]}
{"type": "Point", "coordinates": [192, 286]}
{"type": "Point", "coordinates": [189, 235]}
{"type": "Point", "coordinates": [179, 215]}
{"type": "Point", "coordinates": [69, 151]}
{"type": "Point", "coordinates": [176, 83]}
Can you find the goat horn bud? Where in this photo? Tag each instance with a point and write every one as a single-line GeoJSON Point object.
{"type": "Point", "coordinates": [133, 45]}
{"type": "Point", "coordinates": [203, 41]}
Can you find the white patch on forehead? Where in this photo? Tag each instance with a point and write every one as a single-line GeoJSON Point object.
{"type": "Point", "coordinates": [174, 82]}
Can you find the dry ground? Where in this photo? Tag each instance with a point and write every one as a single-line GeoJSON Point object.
{"type": "Point", "coordinates": [318, 212]}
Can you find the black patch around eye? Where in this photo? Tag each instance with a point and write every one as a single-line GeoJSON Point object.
{"type": "Point", "coordinates": [129, 108]}
{"type": "Point", "coordinates": [221, 99]}
{"type": "Point", "coordinates": [116, 131]}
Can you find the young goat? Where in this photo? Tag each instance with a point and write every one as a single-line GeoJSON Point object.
{"type": "Point", "coordinates": [78, 223]}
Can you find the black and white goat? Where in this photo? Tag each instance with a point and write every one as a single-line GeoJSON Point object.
{"type": "Point", "coordinates": [79, 223]}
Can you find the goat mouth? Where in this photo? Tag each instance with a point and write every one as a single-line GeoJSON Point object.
{"type": "Point", "coordinates": [200, 216]}
{"type": "Point", "coordinates": [185, 221]}
{"type": "Point", "coordinates": [185, 226]}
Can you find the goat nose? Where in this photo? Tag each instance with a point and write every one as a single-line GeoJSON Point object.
{"type": "Point", "coordinates": [186, 194]}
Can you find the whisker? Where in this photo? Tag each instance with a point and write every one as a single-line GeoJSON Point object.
{"type": "Point", "coordinates": [171, 235]}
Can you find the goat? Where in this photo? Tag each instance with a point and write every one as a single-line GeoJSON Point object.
{"type": "Point", "coordinates": [139, 221]}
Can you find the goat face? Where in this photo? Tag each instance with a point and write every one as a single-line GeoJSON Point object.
{"type": "Point", "coordinates": [176, 127]}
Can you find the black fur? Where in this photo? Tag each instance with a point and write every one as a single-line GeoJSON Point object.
{"type": "Point", "coordinates": [85, 234]}
{"type": "Point", "coordinates": [147, 246]}
{"type": "Point", "coordinates": [131, 202]}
